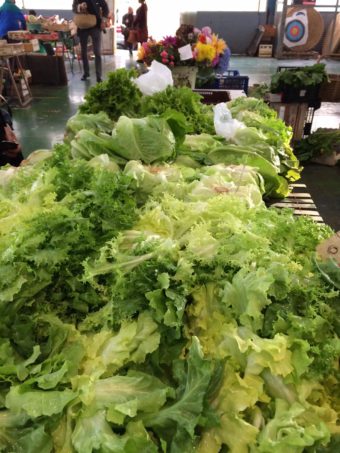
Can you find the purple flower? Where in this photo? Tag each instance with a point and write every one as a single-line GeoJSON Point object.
{"type": "Point", "coordinates": [170, 41]}
{"type": "Point", "coordinates": [215, 61]}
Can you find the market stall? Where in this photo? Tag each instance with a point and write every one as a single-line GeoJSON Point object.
{"type": "Point", "coordinates": [151, 301]}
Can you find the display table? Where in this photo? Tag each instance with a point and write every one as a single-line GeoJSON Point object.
{"type": "Point", "coordinates": [46, 69]}
{"type": "Point", "coordinates": [20, 88]}
{"type": "Point", "coordinates": [54, 37]}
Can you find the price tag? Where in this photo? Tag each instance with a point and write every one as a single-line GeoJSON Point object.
{"type": "Point", "coordinates": [330, 248]}
{"type": "Point", "coordinates": [185, 52]}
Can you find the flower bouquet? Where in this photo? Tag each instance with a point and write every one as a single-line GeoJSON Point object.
{"type": "Point", "coordinates": [200, 50]}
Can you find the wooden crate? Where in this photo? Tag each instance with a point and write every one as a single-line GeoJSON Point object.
{"type": "Point", "coordinates": [32, 46]}
{"type": "Point", "coordinates": [265, 50]}
{"type": "Point", "coordinates": [330, 92]}
{"type": "Point", "coordinates": [300, 201]}
{"type": "Point", "coordinates": [293, 115]}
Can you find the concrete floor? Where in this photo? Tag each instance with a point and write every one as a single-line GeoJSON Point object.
{"type": "Point", "coordinates": [42, 124]}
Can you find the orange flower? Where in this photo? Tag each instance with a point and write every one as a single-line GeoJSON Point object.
{"type": "Point", "coordinates": [141, 53]}
{"type": "Point", "coordinates": [219, 44]}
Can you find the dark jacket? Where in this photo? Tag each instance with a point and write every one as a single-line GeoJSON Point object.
{"type": "Point", "coordinates": [11, 19]}
{"type": "Point", "coordinates": [127, 21]}
{"type": "Point", "coordinates": [141, 19]}
{"type": "Point", "coordinates": [101, 8]}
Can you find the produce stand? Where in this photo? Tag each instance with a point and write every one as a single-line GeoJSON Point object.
{"type": "Point", "coordinates": [58, 34]}
{"type": "Point", "coordinates": [46, 69]}
{"type": "Point", "coordinates": [156, 297]}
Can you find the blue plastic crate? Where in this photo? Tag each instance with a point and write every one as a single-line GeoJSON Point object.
{"type": "Point", "coordinates": [236, 82]}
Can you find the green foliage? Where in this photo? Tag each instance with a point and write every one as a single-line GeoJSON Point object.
{"type": "Point", "coordinates": [300, 78]}
{"type": "Point", "coordinates": [198, 116]}
{"type": "Point", "coordinates": [164, 308]}
{"type": "Point", "coordinates": [116, 96]}
{"type": "Point", "coordinates": [322, 142]}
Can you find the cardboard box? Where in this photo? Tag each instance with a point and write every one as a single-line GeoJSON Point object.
{"type": "Point", "coordinates": [19, 35]}
{"type": "Point", "coordinates": [32, 46]}
{"type": "Point", "coordinates": [57, 27]}
{"type": "Point", "coordinates": [12, 49]}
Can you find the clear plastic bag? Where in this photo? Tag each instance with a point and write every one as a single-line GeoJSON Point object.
{"type": "Point", "coordinates": [225, 125]}
{"type": "Point", "coordinates": [157, 79]}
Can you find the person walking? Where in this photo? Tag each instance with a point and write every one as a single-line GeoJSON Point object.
{"type": "Point", "coordinates": [11, 18]}
{"type": "Point", "coordinates": [100, 9]}
{"type": "Point", "coordinates": [128, 19]}
{"type": "Point", "coordinates": [141, 22]}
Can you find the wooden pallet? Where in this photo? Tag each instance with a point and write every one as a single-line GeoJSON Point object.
{"type": "Point", "coordinates": [300, 201]}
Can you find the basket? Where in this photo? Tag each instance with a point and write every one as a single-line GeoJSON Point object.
{"type": "Point", "coordinates": [330, 92]}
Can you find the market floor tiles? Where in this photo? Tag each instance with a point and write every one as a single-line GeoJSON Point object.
{"type": "Point", "coordinates": [42, 124]}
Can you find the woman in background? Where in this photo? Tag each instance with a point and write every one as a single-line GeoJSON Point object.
{"type": "Point", "coordinates": [11, 18]}
{"type": "Point", "coordinates": [141, 22]}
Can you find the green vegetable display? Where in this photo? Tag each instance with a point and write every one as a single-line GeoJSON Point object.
{"type": "Point", "coordinates": [97, 122]}
{"type": "Point", "coordinates": [322, 142]}
{"type": "Point", "coordinates": [199, 117]}
{"type": "Point", "coordinates": [163, 308]}
{"type": "Point", "coordinates": [300, 78]}
{"type": "Point", "coordinates": [116, 96]}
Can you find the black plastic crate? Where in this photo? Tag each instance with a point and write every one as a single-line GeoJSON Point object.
{"type": "Point", "coordinates": [232, 83]}
{"type": "Point", "coordinates": [212, 96]}
{"type": "Point", "coordinates": [310, 95]}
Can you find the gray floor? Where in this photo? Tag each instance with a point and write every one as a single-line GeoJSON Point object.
{"type": "Point", "coordinates": [42, 124]}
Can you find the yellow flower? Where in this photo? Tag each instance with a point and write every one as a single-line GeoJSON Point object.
{"type": "Point", "coordinates": [205, 52]}
{"type": "Point", "coordinates": [141, 53]}
{"type": "Point", "coordinates": [219, 44]}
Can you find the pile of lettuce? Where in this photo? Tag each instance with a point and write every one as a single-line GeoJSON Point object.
{"type": "Point", "coordinates": [164, 134]}
{"type": "Point", "coordinates": [160, 308]}
{"type": "Point", "coordinates": [150, 301]}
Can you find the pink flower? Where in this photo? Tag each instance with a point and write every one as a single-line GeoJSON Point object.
{"type": "Point", "coordinates": [172, 57]}
{"type": "Point", "coordinates": [172, 63]}
{"type": "Point", "coordinates": [207, 31]}
{"type": "Point", "coordinates": [164, 54]}
{"type": "Point", "coordinates": [165, 60]}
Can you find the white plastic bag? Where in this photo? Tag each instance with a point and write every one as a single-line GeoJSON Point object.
{"type": "Point", "coordinates": [225, 125]}
{"type": "Point", "coordinates": [157, 79]}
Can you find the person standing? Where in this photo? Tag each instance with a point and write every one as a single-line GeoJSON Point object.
{"type": "Point", "coordinates": [100, 9]}
{"type": "Point", "coordinates": [128, 19]}
{"type": "Point", "coordinates": [11, 18]}
{"type": "Point", "coordinates": [141, 22]}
